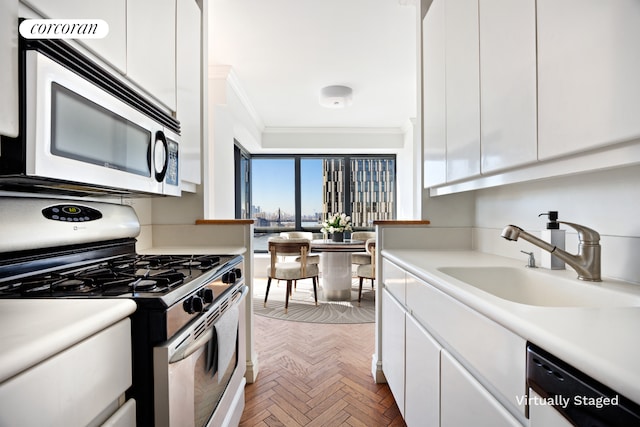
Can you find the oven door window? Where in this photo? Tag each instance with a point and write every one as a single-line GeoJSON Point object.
{"type": "Point", "coordinates": [85, 131]}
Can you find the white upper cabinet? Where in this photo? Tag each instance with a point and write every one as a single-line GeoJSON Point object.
{"type": "Point", "coordinates": [189, 88]}
{"type": "Point", "coordinates": [434, 95]}
{"type": "Point", "coordinates": [588, 68]}
{"type": "Point", "coordinates": [531, 90]}
{"type": "Point", "coordinates": [508, 83]}
{"type": "Point", "coordinates": [9, 67]}
{"type": "Point", "coordinates": [151, 48]}
{"type": "Point", "coordinates": [462, 89]}
{"type": "Point", "coordinates": [111, 48]}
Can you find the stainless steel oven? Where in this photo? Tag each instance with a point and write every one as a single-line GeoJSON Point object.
{"type": "Point", "coordinates": [83, 130]}
{"type": "Point", "coordinates": [188, 331]}
{"type": "Point", "coordinates": [194, 369]}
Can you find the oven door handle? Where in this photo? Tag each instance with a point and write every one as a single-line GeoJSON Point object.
{"type": "Point", "coordinates": [193, 347]}
{"type": "Point", "coordinates": [204, 338]}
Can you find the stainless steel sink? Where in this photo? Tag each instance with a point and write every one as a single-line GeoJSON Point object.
{"type": "Point", "coordinates": [532, 287]}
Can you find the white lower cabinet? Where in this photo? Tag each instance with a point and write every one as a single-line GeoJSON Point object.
{"type": "Point", "coordinates": [446, 364]}
{"type": "Point", "coordinates": [393, 339]}
{"type": "Point", "coordinates": [80, 386]}
{"type": "Point", "coordinates": [422, 381]}
{"type": "Point", "coordinates": [465, 402]}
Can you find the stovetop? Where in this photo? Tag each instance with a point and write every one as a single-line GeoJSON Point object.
{"type": "Point", "coordinates": [164, 278]}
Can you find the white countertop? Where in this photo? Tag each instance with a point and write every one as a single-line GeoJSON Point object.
{"type": "Point", "coordinates": [599, 341]}
{"type": "Point", "coordinates": [33, 330]}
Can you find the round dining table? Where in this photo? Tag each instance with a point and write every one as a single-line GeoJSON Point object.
{"type": "Point", "coordinates": [335, 265]}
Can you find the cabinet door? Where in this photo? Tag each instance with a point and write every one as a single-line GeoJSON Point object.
{"type": "Point", "coordinates": [111, 48]}
{"type": "Point", "coordinates": [545, 415]}
{"type": "Point", "coordinates": [462, 89]}
{"type": "Point", "coordinates": [394, 280]}
{"type": "Point", "coordinates": [393, 346]}
{"type": "Point", "coordinates": [434, 95]}
{"type": "Point", "coordinates": [588, 66]}
{"type": "Point", "coordinates": [189, 84]}
{"type": "Point", "coordinates": [9, 67]}
{"type": "Point", "coordinates": [151, 48]}
{"type": "Point", "coordinates": [508, 83]}
{"type": "Point", "coordinates": [422, 382]}
{"type": "Point", "coordinates": [464, 402]}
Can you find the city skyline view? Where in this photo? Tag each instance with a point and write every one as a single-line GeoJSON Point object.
{"type": "Point", "coordinates": [363, 187]}
{"type": "Point", "coordinates": [273, 186]}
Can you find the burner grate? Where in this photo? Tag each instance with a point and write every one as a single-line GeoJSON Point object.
{"type": "Point", "coordinates": [130, 274]}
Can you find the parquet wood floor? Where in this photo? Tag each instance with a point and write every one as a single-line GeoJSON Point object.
{"type": "Point", "coordinates": [316, 375]}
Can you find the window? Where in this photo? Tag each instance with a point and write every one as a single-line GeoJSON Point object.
{"type": "Point", "coordinates": [273, 186]}
{"type": "Point", "coordinates": [242, 183]}
{"type": "Point", "coordinates": [297, 192]}
{"type": "Point", "coordinates": [311, 187]}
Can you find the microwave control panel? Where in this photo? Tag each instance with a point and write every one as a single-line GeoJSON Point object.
{"type": "Point", "coordinates": [172, 164]}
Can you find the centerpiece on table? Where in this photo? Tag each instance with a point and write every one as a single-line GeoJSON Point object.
{"type": "Point", "coordinates": [336, 225]}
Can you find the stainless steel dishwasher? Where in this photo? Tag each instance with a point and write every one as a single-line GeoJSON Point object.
{"type": "Point", "coordinates": [561, 395]}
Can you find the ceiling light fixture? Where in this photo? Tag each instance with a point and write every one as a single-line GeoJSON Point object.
{"type": "Point", "coordinates": [336, 96]}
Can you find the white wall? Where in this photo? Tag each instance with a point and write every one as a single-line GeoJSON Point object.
{"type": "Point", "coordinates": [607, 201]}
{"type": "Point", "coordinates": [408, 184]}
{"type": "Point", "coordinates": [230, 118]}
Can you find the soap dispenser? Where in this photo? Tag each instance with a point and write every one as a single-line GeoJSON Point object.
{"type": "Point", "coordinates": [555, 237]}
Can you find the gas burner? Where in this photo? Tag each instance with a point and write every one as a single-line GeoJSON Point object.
{"type": "Point", "coordinates": [72, 285]}
{"type": "Point", "coordinates": [191, 263]}
{"type": "Point", "coordinates": [143, 285]}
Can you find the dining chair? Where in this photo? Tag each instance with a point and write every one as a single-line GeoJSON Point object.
{"type": "Point", "coordinates": [367, 271]}
{"type": "Point", "coordinates": [311, 258]}
{"type": "Point", "coordinates": [290, 270]}
{"type": "Point", "coordinates": [362, 258]}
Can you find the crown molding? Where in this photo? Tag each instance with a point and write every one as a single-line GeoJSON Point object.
{"type": "Point", "coordinates": [335, 130]}
{"type": "Point", "coordinates": [226, 72]}
{"type": "Point", "coordinates": [409, 125]}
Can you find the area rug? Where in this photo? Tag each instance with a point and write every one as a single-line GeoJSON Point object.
{"type": "Point", "coordinates": [302, 307]}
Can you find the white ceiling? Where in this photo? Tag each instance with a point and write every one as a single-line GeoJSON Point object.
{"type": "Point", "coordinates": [284, 51]}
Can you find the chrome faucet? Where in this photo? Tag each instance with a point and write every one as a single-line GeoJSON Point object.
{"type": "Point", "coordinates": [586, 262]}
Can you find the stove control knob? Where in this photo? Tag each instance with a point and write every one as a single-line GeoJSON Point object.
{"type": "Point", "coordinates": [193, 305]}
{"type": "Point", "coordinates": [229, 277]}
{"type": "Point", "coordinates": [207, 295]}
{"type": "Point", "coordinates": [197, 304]}
{"type": "Point", "coordinates": [238, 273]}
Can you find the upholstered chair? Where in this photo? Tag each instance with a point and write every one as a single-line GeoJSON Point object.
{"type": "Point", "coordinates": [367, 271]}
{"type": "Point", "coordinates": [290, 271]}
{"type": "Point", "coordinates": [362, 258]}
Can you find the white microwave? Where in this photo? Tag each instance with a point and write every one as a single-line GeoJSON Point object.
{"type": "Point", "coordinates": [84, 131]}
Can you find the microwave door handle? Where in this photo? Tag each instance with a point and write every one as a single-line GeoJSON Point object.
{"type": "Point", "coordinates": [160, 142]}
{"type": "Point", "coordinates": [193, 347]}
